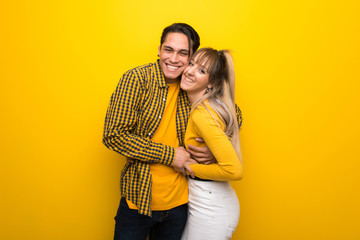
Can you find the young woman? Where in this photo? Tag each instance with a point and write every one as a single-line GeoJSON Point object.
{"type": "Point", "coordinates": [213, 205]}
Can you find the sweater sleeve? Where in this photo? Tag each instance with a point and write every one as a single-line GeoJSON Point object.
{"type": "Point", "coordinates": [228, 166]}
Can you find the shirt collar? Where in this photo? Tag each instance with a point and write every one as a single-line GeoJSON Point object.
{"type": "Point", "coordinates": [160, 74]}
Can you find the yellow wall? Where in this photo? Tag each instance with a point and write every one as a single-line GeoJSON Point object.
{"type": "Point", "coordinates": [297, 65]}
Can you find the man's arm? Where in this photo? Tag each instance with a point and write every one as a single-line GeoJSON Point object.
{"type": "Point", "coordinates": [238, 115]}
{"type": "Point", "coordinates": [120, 124]}
{"type": "Point", "coordinates": [201, 155]}
{"type": "Point", "coordinates": [181, 162]}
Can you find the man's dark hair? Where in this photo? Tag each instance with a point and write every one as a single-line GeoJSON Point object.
{"type": "Point", "coordinates": [183, 28]}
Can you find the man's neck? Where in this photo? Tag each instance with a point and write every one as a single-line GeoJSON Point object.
{"type": "Point", "coordinates": [171, 81]}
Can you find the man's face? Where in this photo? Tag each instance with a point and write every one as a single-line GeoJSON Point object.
{"type": "Point", "coordinates": [174, 55]}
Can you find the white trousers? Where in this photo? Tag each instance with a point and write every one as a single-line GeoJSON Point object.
{"type": "Point", "coordinates": [214, 211]}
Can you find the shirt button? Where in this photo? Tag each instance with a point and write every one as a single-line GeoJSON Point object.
{"type": "Point", "coordinates": [149, 133]}
{"type": "Point", "coordinates": [160, 117]}
{"type": "Point", "coordinates": [164, 99]}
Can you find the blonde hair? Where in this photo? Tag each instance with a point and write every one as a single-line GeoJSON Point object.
{"type": "Point", "coordinates": [221, 95]}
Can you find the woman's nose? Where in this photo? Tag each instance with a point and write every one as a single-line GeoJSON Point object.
{"type": "Point", "coordinates": [190, 70]}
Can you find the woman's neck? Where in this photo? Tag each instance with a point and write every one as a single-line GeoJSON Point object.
{"type": "Point", "coordinates": [192, 98]}
{"type": "Point", "coordinates": [195, 96]}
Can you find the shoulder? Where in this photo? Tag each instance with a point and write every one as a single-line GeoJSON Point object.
{"type": "Point", "coordinates": [204, 109]}
{"type": "Point", "coordinates": [141, 75]}
{"type": "Point", "coordinates": [141, 70]}
{"type": "Point", "coordinates": [204, 114]}
{"type": "Point", "coordinates": [199, 113]}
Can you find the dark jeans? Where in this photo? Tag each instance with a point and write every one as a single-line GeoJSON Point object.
{"type": "Point", "coordinates": [163, 225]}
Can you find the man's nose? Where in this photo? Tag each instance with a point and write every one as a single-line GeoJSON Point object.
{"type": "Point", "coordinates": [174, 57]}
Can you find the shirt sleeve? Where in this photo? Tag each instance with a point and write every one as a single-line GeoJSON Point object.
{"type": "Point", "coordinates": [228, 166]}
{"type": "Point", "coordinates": [238, 115]}
{"type": "Point", "coordinates": [121, 120]}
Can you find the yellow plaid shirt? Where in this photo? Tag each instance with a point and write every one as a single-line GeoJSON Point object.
{"type": "Point", "coordinates": [133, 115]}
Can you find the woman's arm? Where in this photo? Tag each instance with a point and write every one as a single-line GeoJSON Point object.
{"type": "Point", "coordinates": [228, 166]}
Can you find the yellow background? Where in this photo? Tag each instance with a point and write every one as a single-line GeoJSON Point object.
{"type": "Point", "coordinates": [297, 66]}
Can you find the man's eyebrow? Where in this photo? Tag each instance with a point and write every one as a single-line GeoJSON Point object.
{"type": "Point", "coordinates": [168, 47]}
{"type": "Point", "coordinates": [181, 50]}
{"type": "Point", "coordinates": [184, 51]}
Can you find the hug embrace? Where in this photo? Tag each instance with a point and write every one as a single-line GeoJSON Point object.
{"type": "Point", "coordinates": [177, 123]}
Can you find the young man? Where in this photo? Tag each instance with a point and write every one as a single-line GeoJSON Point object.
{"type": "Point", "coordinates": [146, 122]}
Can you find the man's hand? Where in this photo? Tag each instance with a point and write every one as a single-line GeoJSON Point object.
{"type": "Point", "coordinates": [192, 161]}
{"type": "Point", "coordinates": [181, 161]}
{"type": "Point", "coordinates": [202, 155]}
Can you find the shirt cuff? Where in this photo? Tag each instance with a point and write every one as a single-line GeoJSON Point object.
{"type": "Point", "coordinates": [168, 156]}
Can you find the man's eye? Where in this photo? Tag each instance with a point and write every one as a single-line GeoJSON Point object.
{"type": "Point", "coordinates": [202, 71]}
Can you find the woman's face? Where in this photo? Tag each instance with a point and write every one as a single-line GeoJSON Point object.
{"type": "Point", "coordinates": [195, 79]}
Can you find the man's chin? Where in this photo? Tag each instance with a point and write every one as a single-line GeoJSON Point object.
{"type": "Point", "coordinates": [173, 77]}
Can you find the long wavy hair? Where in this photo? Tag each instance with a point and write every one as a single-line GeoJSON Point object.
{"type": "Point", "coordinates": [221, 95]}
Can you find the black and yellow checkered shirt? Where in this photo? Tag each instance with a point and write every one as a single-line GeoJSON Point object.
{"type": "Point", "coordinates": [133, 115]}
